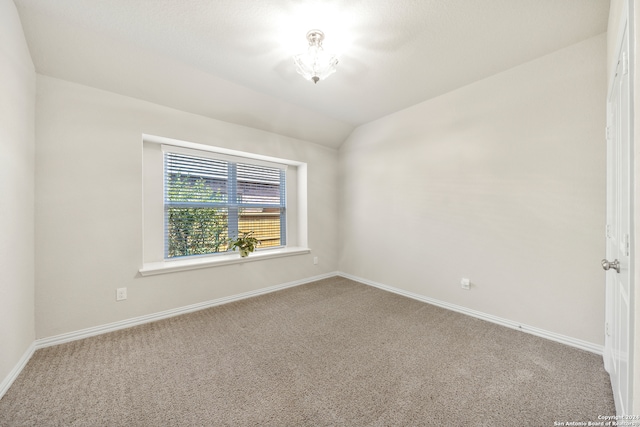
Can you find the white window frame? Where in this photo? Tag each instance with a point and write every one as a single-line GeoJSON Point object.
{"type": "Point", "coordinates": [154, 261]}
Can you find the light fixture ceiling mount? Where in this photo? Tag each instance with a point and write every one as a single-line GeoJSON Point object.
{"type": "Point", "coordinates": [315, 64]}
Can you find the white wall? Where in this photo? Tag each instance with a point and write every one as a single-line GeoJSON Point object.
{"type": "Point", "coordinates": [17, 104]}
{"type": "Point", "coordinates": [501, 181]}
{"type": "Point", "coordinates": [89, 209]}
{"type": "Point", "coordinates": [635, 381]}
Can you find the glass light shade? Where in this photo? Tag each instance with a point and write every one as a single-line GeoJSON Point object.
{"type": "Point", "coordinates": [315, 64]}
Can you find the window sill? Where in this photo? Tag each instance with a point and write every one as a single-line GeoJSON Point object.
{"type": "Point", "coordinates": [162, 267]}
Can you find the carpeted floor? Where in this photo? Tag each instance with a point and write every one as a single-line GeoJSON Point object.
{"type": "Point", "coordinates": [329, 353]}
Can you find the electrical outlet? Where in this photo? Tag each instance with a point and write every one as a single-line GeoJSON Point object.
{"type": "Point", "coordinates": [315, 260]}
{"type": "Point", "coordinates": [465, 283]}
{"type": "Point", "coordinates": [121, 294]}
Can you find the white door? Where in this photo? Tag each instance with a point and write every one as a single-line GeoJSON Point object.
{"type": "Point", "coordinates": [618, 234]}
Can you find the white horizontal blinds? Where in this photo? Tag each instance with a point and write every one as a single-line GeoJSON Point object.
{"type": "Point", "coordinates": [209, 199]}
{"type": "Point", "coordinates": [223, 156]}
{"type": "Point", "coordinates": [260, 197]}
{"type": "Point", "coordinates": [195, 200]}
{"type": "Point", "coordinates": [258, 185]}
{"type": "Point", "coordinates": [190, 180]}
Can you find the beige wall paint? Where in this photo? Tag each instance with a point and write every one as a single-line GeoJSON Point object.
{"type": "Point", "coordinates": [89, 209]}
{"type": "Point", "coordinates": [501, 181]}
{"type": "Point", "coordinates": [17, 105]}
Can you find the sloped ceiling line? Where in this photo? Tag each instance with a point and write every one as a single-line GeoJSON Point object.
{"type": "Point", "coordinates": [232, 60]}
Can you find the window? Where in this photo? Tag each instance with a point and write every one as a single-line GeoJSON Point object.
{"type": "Point", "coordinates": [196, 196]}
{"type": "Point", "coordinates": [210, 198]}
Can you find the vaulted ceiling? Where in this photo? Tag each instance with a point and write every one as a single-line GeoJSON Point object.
{"type": "Point", "coordinates": [232, 59]}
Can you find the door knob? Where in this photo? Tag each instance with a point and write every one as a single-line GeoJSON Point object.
{"type": "Point", "coordinates": [615, 264]}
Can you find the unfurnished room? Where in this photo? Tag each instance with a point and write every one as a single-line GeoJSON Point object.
{"type": "Point", "coordinates": [318, 213]}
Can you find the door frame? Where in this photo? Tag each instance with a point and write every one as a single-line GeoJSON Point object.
{"type": "Point", "coordinates": [626, 19]}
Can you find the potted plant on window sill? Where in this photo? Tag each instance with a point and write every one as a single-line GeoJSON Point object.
{"type": "Point", "coordinates": [245, 243]}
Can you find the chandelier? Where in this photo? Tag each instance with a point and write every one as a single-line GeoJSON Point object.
{"type": "Point", "coordinates": [315, 64]}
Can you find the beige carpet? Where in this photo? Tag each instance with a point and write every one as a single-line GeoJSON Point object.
{"type": "Point", "coordinates": [329, 353]}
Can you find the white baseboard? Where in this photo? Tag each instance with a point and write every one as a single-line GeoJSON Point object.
{"type": "Point", "coordinates": [6, 383]}
{"type": "Point", "coordinates": [127, 323]}
{"type": "Point", "coordinates": [110, 327]}
{"type": "Point", "coordinates": [563, 339]}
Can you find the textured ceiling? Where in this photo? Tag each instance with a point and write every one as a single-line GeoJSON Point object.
{"type": "Point", "coordinates": [232, 59]}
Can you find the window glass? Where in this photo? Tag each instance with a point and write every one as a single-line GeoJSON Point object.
{"type": "Point", "coordinates": [208, 200]}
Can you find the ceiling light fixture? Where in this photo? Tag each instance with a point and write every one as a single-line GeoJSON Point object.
{"type": "Point", "coordinates": [315, 64]}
